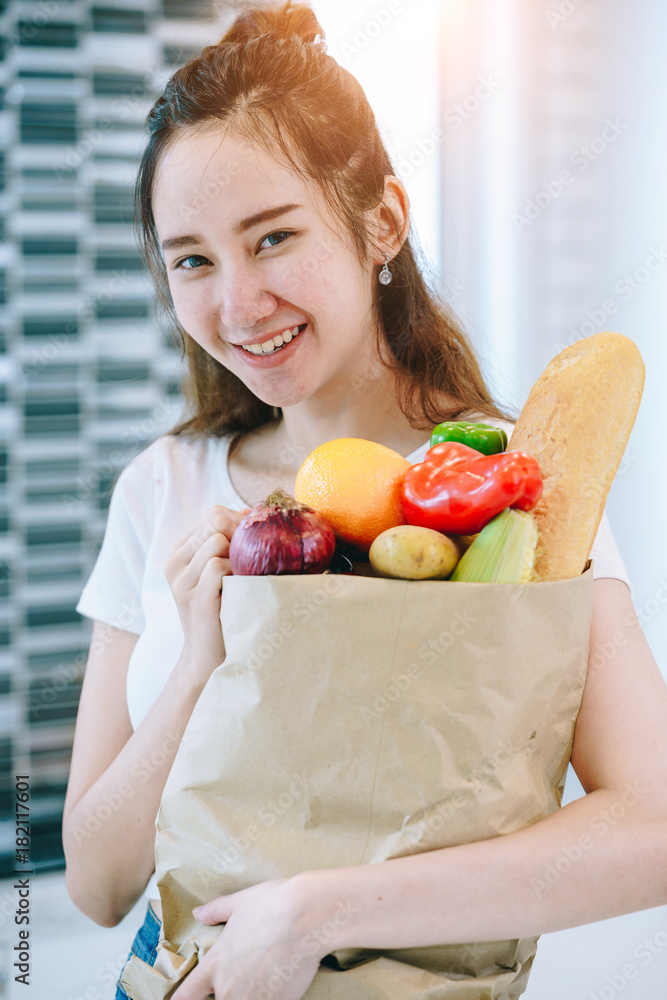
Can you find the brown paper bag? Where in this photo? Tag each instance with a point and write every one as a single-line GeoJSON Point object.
{"type": "Point", "coordinates": [358, 719]}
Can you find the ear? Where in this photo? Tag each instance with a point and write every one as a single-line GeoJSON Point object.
{"type": "Point", "coordinates": [392, 223]}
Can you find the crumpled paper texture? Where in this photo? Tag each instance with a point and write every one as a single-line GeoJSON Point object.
{"type": "Point", "coordinates": [358, 719]}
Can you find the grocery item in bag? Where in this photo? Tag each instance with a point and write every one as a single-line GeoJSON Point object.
{"type": "Point", "coordinates": [576, 422]}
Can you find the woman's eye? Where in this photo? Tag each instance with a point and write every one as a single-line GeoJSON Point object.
{"type": "Point", "coordinates": [193, 257]}
{"type": "Point", "coordinates": [279, 233]}
{"type": "Point", "coordinates": [280, 236]}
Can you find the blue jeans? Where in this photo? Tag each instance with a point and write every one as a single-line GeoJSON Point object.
{"type": "Point", "coordinates": [144, 945]}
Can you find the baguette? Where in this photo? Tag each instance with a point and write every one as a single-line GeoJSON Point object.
{"type": "Point", "coordinates": [576, 422]}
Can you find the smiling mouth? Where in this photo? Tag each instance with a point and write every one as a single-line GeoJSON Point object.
{"type": "Point", "coordinates": [276, 343]}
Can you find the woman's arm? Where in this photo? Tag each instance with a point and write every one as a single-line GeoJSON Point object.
{"type": "Point", "coordinates": [598, 857]}
{"type": "Point", "coordinates": [117, 775]}
{"type": "Point", "coordinates": [117, 778]}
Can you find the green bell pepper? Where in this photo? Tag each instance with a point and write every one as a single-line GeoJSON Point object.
{"type": "Point", "coordinates": [482, 437]}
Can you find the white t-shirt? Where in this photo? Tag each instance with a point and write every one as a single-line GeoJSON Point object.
{"type": "Point", "coordinates": [157, 497]}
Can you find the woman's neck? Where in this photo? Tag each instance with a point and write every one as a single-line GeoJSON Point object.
{"type": "Point", "coordinates": [367, 410]}
{"type": "Point", "coordinates": [272, 454]}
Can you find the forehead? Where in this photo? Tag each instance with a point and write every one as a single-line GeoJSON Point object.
{"type": "Point", "coordinates": [208, 173]}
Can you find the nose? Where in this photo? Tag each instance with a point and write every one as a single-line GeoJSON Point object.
{"type": "Point", "coordinates": [243, 300]}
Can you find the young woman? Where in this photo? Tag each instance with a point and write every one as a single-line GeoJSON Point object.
{"type": "Point", "coordinates": [268, 210]}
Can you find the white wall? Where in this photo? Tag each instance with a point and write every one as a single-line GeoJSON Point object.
{"type": "Point", "coordinates": [392, 48]}
{"type": "Point", "coordinates": [634, 222]}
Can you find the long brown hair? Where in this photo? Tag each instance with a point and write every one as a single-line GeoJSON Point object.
{"type": "Point", "coordinates": [271, 80]}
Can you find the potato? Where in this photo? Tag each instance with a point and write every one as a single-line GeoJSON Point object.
{"type": "Point", "coordinates": [413, 553]}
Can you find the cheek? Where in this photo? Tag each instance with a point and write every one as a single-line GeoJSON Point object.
{"type": "Point", "coordinates": [311, 270]}
{"type": "Point", "coordinates": [189, 305]}
{"type": "Point", "coordinates": [333, 289]}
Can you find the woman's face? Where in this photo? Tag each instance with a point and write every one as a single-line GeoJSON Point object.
{"type": "Point", "coordinates": [239, 279]}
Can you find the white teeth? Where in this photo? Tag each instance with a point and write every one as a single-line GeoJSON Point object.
{"type": "Point", "coordinates": [271, 345]}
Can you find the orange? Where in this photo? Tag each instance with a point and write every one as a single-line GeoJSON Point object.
{"type": "Point", "coordinates": [356, 486]}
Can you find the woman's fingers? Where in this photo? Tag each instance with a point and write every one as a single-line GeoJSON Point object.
{"type": "Point", "coordinates": [207, 592]}
{"type": "Point", "coordinates": [215, 515]}
{"type": "Point", "coordinates": [216, 546]}
{"type": "Point", "coordinates": [194, 572]}
{"type": "Point", "coordinates": [197, 986]}
{"type": "Point", "coordinates": [216, 911]}
{"type": "Point", "coordinates": [216, 520]}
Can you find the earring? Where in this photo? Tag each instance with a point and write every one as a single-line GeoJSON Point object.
{"type": "Point", "coordinates": [385, 275]}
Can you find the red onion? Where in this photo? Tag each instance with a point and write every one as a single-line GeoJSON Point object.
{"type": "Point", "coordinates": [281, 535]}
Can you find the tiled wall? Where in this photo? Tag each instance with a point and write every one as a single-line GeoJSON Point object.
{"type": "Point", "coordinates": [86, 376]}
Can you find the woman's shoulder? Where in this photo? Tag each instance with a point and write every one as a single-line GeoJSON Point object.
{"type": "Point", "coordinates": [186, 454]}
{"type": "Point", "coordinates": [185, 470]}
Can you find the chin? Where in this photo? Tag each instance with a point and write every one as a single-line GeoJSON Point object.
{"type": "Point", "coordinates": [287, 397]}
{"type": "Point", "coordinates": [281, 400]}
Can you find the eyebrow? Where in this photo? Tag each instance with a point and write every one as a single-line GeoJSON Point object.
{"type": "Point", "coordinates": [176, 242]}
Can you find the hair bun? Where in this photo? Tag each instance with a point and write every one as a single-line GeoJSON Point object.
{"type": "Point", "coordinates": [285, 21]}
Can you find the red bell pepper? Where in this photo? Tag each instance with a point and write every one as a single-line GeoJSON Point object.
{"type": "Point", "coordinates": [457, 490]}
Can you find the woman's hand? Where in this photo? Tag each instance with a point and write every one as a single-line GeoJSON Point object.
{"type": "Point", "coordinates": [261, 952]}
{"type": "Point", "coordinates": [194, 571]}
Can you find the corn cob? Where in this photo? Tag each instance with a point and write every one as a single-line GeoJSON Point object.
{"type": "Point", "coordinates": [504, 551]}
